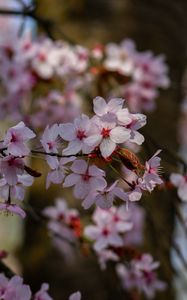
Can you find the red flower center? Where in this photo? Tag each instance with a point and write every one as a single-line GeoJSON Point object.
{"type": "Point", "coordinates": [105, 232]}
{"type": "Point", "coordinates": [42, 57]}
{"type": "Point", "coordinates": [105, 132]}
{"type": "Point", "coordinates": [13, 138]}
{"type": "Point", "coordinates": [81, 134]}
{"type": "Point", "coordinates": [86, 176]}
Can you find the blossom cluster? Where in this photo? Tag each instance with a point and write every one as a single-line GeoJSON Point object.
{"type": "Point", "coordinates": [102, 138]}
{"type": "Point", "coordinates": [112, 236]}
{"type": "Point", "coordinates": [64, 225]}
{"type": "Point", "coordinates": [13, 169]}
{"type": "Point", "coordinates": [27, 65]}
{"type": "Point", "coordinates": [44, 85]}
{"type": "Point", "coordinates": [14, 288]}
{"type": "Point", "coordinates": [72, 151]}
{"type": "Point", "coordinates": [114, 230]}
{"type": "Point", "coordinates": [140, 274]}
{"type": "Point", "coordinates": [148, 73]}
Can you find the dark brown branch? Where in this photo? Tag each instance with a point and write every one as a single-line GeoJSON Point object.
{"type": "Point", "coordinates": [6, 270]}
{"type": "Point", "coordinates": [30, 11]}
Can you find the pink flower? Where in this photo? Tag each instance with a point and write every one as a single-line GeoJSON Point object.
{"type": "Point", "coordinates": [107, 136]}
{"type": "Point", "coordinates": [64, 224]}
{"type": "Point", "coordinates": [12, 209]}
{"type": "Point", "coordinates": [139, 97]}
{"type": "Point", "coordinates": [147, 182]}
{"type": "Point", "coordinates": [109, 226]}
{"type": "Point", "coordinates": [103, 198]}
{"type": "Point", "coordinates": [140, 274]}
{"type": "Point", "coordinates": [15, 139]}
{"type": "Point", "coordinates": [76, 133]}
{"type": "Point", "coordinates": [3, 284]}
{"type": "Point", "coordinates": [103, 236]}
{"type": "Point", "coordinates": [75, 296]}
{"type": "Point", "coordinates": [14, 288]}
{"type": "Point", "coordinates": [16, 191]}
{"type": "Point", "coordinates": [85, 178]}
{"type": "Point", "coordinates": [60, 211]}
{"type": "Point", "coordinates": [180, 182]}
{"type": "Point", "coordinates": [120, 58]}
{"type": "Point", "coordinates": [59, 171]}
{"type": "Point", "coordinates": [11, 167]}
{"type": "Point", "coordinates": [46, 59]}
{"type": "Point", "coordinates": [112, 110]}
{"type": "Point", "coordinates": [150, 69]}
{"type": "Point", "coordinates": [42, 294]}
{"type": "Point", "coordinates": [151, 178]}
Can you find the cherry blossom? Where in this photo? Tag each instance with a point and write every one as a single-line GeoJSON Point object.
{"type": "Point", "coordinates": [112, 110]}
{"type": "Point", "coordinates": [76, 134]}
{"type": "Point", "coordinates": [59, 170]}
{"type": "Point", "coordinates": [151, 177]}
{"type": "Point", "coordinates": [16, 191]}
{"type": "Point", "coordinates": [75, 296]}
{"type": "Point", "coordinates": [145, 182]}
{"type": "Point", "coordinates": [107, 136]}
{"type": "Point", "coordinates": [140, 274]}
{"type": "Point", "coordinates": [42, 294]}
{"type": "Point", "coordinates": [14, 288]}
{"type": "Point", "coordinates": [45, 59]}
{"type": "Point", "coordinates": [11, 167]}
{"type": "Point", "coordinates": [84, 178]}
{"type": "Point", "coordinates": [103, 198]}
{"type": "Point", "coordinates": [109, 225]}
{"type": "Point", "coordinates": [15, 139]}
{"type": "Point", "coordinates": [64, 225]}
{"type": "Point", "coordinates": [151, 69]}
{"type": "Point", "coordinates": [120, 58]}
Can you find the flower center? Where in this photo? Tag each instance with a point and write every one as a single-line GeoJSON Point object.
{"type": "Point", "coordinates": [81, 134]}
{"type": "Point", "coordinates": [105, 132]}
{"type": "Point", "coordinates": [86, 176]}
{"type": "Point", "coordinates": [50, 144]}
{"type": "Point", "coordinates": [13, 138]}
{"type": "Point", "coordinates": [42, 57]}
{"type": "Point", "coordinates": [105, 231]}
{"type": "Point", "coordinates": [116, 219]}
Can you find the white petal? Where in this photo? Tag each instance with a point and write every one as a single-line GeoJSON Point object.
{"type": "Point", "coordinates": [182, 192]}
{"type": "Point", "coordinates": [71, 179]}
{"type": "Point", "coordinates": [100, 106]}
{"type": "Point", "coordinates": [79, 166]}
{"type": "Point", "coordinates": [67, 131]}
{"type": "Point", "coordinates": [93, 140]}
{"type": "Point", "coordinates": [137, 137]}
{"type": "Point", "coordinates": [107, 147]}
{"type": "Point", "coordinates": [73, 148]}
{"type": "Point", "coordinates": [119, 134]}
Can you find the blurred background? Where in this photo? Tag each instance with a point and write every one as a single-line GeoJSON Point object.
{"type": "Point", "coordinates": [158, 25]}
